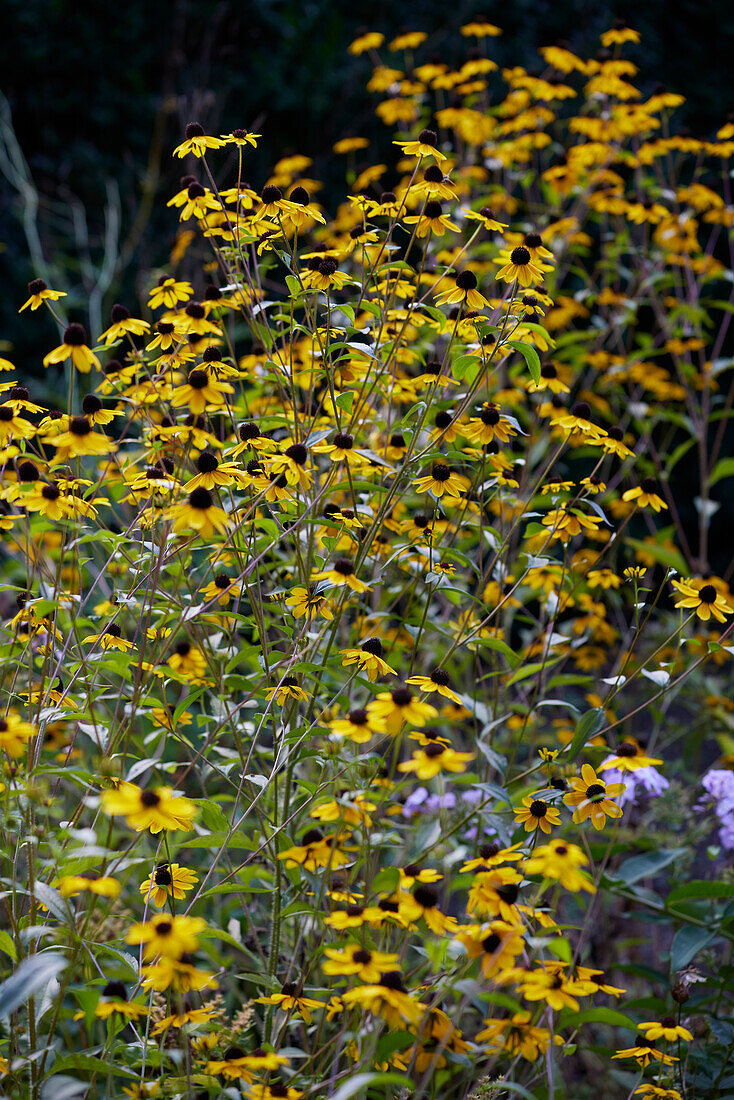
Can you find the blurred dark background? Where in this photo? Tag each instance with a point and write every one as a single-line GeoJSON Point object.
{"type": "Point", "coordinates": [95, 96]}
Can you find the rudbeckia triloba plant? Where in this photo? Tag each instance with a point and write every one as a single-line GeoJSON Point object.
{"type": "Point", "coordinates": [366, 675]}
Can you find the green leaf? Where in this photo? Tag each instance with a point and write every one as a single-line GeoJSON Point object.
{"type": "Point", "coordinates": [599, 1016]}
{"type": "Point", "coordinates": [293, 285]}
{"type": "Point", "coordinates": [687, 942]}
{"type": "Point", "coordinates": [587, 727]}
{"type": "Point", "coordinates": [344, 401]}
{"type": "Point", "coordinates": [32, 974]}
{"type": "Point", "coordinates": [7, 945]}
{"type": "Point", "coordinates": [530, 356]}
{"type": "Point", "coordinates": [723, 468]}
{"type": "Point", "coordinates": [362, 1081]}
{"type": "Point", "coordinates": [645, 866]}
{"type": "Point", "coordinates": [700, 889]}
{"type": "Point", "coordinates": [463, 365]}
{"type": "Point", "coordinates": [530, 670]}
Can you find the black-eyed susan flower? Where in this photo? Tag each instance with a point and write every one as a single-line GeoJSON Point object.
{"type": "Point", "coordinates": [199, 513]}
{"type": "Point", "coordinates": [432, 220]}
{"type": "Point", "coordinates": [703, 598]}
{"type": "Point", "coordinates": [518, 264]}
{"type": "Point", "coordinates": [667, 1028]}
{"type": "Point", "coordinates": [109, 638]}
{"type": "Point", "coordinates": [435, 758]}
{"type": "Point", "coordinates": [74, 347]}
{"type": "Point", "coordinates": [315, 850]}
{"type": "Point", "coordinates": [438, 680]}
{"type": "Point", "coordinates": [489, 426]}
{"type": "Point", "coordinates": [496, 944]}
{"type": "Point", "coordinates": [38, 293]}
{"type": "Point", "coordinates": [629, 757]}
{"type": "Point", "coordinates": [360, 726]}
{"type": "Point", "coordinates": [169, 292]}
{"type": "Point", "coordinates": [177, 974]}
{"type": "Point", "coordinates": [274, 1090]}
{"type": "Point", "coordinates": [358, 961]}
{"type": "Point", "coordinates": [309, 602]}
{"type": "Point", "coordinates": [168, 880]}
{"type": "Point", "coordinates": [191, 1016]}
{"type": "Point", "coordinates": [535, 813]}
{"type": "Point", "coordinates": [70, 886]}
{"type": "Point", "coordinates": [517, 1036]}
{"type": "Point", "coordinates": [368, 658]}
{"type": "Point", "coordinates": [197, 142]}
{"type": "Point", "coordinates": [240, 138]}
{"type": "Point", "coordinates": [441, 481]}
{"type": "Point", "coordinates": [399, 706]}
{"type": "Point", "coordinates": [200, 392]}
{"type": "Point", "coordinates": [287, 688]}
{"type": "Point", "coordinates": [423, 902]}
{"type": "Point", "coordinates": [592, 798]}
{"type": "Point", "coordinates": [646, 495]}
{"type": "Point", "coordinates": [156, 808]}
{"type": "Point", "coordinates": [122, 324]}
{"type": "Point", "coordinates": [166, 935]}
{"type": "Point", "coordinates": [78, 440]}
{"type": "Point", "coordinates": [465, 292]}
{"type": "Point", "coordinates": [644, 1053]}
{"type": "Point", "coordinates": [187, 660]}
{"type": "Point", "coordinates": [425, 145]}
{"type": "Point", "coordinates": [114, 1000]}
{"type": "Point", "coordinates": [291, 999]}
{"type": "Point", "coordinates": [341, 573]}
{"type": "Point", "coordinates": [560, 861]}
{"type": "Point", "coordinates": [386, 998]}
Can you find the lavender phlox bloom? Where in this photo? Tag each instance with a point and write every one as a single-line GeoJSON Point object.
{"type": "Point", "coordinates": [719, 785]}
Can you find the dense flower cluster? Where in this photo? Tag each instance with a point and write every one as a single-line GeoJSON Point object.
{"type": "Point", "coordinates": [349, 615]}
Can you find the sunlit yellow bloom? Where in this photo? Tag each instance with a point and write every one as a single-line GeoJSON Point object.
{"type": "Point", "coordinates": [154, 808]}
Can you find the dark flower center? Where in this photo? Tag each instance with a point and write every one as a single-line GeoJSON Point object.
{"type": "Point", "coordinates": [582, 410]}
{"type": "Point", "coordinates": [194, 129]}
{"type": "Point", "coordinates": [434, 209]}
{"type": "Point", "coordinates": [433, 750]}
{"type": "Point", "coordinates": [344, 567]}
{"type": "Point", "coordinates": [162, 876]}
{"type": "Point", "coordinates": [372, 645]}
{"type": "Point", "coordinates": [248, 431]}
{"type": "Point", "coordinates": [508, 892]}
{"type": "Point", "coordinates": [270, 194]}
{"type": "Point", "coordinates": [35, 286]}
{"type": "Point", "coordinates": [207, 463]}
{"type": "Point", "coordinates": [51, 492]}
{"type": "Point", "coordinates": [491, 943]}
{"type": "Point", "coordinates": [433, 174]}
{"type": "Point", "coordinates": [401, 696]}
{"type": "Point", "coordinates": [627, 749]}
{"type": "Point", "coordinates": [649, 485]}
{"type": "Point", "coordinates": [313, 836]}
{"type": "Point", "coordinates": [428, 137]}
{"type": "Point", "coordinates": [425, 896]}
{"type": "Point", "coordinates": [520, 256]}
{"type": "Point", "coordinates": [150, 799]}
{"type": "Point", "coordinates": [343, 442]}
{"type": "Point", "coordinates": [362, 956]}
{"type": "Point", "coordinates": [538, 808]}
{"type": "Point", "coordinates": [27, 471]}
{"type": "Point", "coordinates": [548, 371]}
{"type": "Point", "coordinates": [490, 417]}
{"type": "Point", "coordinates": [358, 717]}
{"type": "Point", "coordinates": [393, 979]}
{"type": "Point", "coordinates": [201, 499]}
{"type": "Point", "coordinates": [298, 453]}
{"type": "Point", "coordinates": [488, 851]}
{"type": "Point", "coordinates": [596, 792]}
{"type": "Point", "coordinates": [91, 404]}
{"type": "Point", "coordinates": [119, 313]}
{"type": "Point", "coordinates": [466, 280]}
{"type": "Point", "coordinates": [300, 195]}
{"type": "Point", "coordinates": [198, 379]}
{"type": "Point", "coordinates": [533, 240]}
{"type": "Point", "coordinates": [75, 336]}
{"type": "Point", "coordinates": [116, 990]}
{"type": "Point", "coordinates": [440, 472]}
{"type": "Point", "coordinates": [707, 594]}
{"type": "Point", "coordinates": [79, 425]}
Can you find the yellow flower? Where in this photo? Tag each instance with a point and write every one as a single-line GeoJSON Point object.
{"type": "Point", "coordinates": [426, 145]}
{"type": "Point", "coordinates": [291, 999]}
{"type": "Point", "coordinates": [704, 598]}
{"type": "Point", "coordinates": [435, 758]}
{"type": "Point", "coordinates": [646, 495]}
{"type": "Point", "coordinates": [592, 797]}
{"type": "Point", "coordinates": [40, 293]}
{"type": "Point", "coordinates": [110, 638]}
{"type": "Point", "coordinates": [386, 998]}
{"type": "Point", "coordinates": [288, 688]}
{"type": "Point", "coordinates": [359, 726]}
{"type": "Point", "coordinates": [167, 880]}
{"type": "Point", "coordinates": [123, 324]}
{"type": "Point", "coordinates": [464, 291]}
{"type": "Point", "coordinates": [441, 481]}
{"type": "Point", "coordinates": [629, 757]}
{"type": "Point", "coordinates": [497, 944]}
{"type": "Point", "coordinates": [340, 573]}
{"type": "Point", "coordinates": [74, 347]}
{"type": "Point", "coordinates": [666, 1029]}
{"type": "Point", "coordinates": [357, 960]}
{"type": "Point", "coordinates": [166, 935]}
{"type": "Point", "coordinates": [79, 440]}
{"type": "Point", "coordinates": [560, 861]}
{"type": "Point", "coordinates": [309, 602]}
{"type": "Point", "coordinates": [399, 706]}
{"type": "Point", "coordinates": [199, 513]}
{"type": "Point", "coordinates": [368, 658]}
{"type": "Point", "coordinates": [370, 41]}
{"type": "Point", "coordinates": [439, 681]}
{"type": "Point", "coordinates": [116, 1001]}
{"type": "Point", "coordinates": [197, 142]}
{"type": "Point", "coordinates": [153, 808]}
{"type": "Point", "coordinates": [15, 733]}
{"type": "Point", "coordinates": [70, 886]}
{"type": "Point", "coordinates": [518, 264]}
{"type": "Point", "coordinates": [535, 813]}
